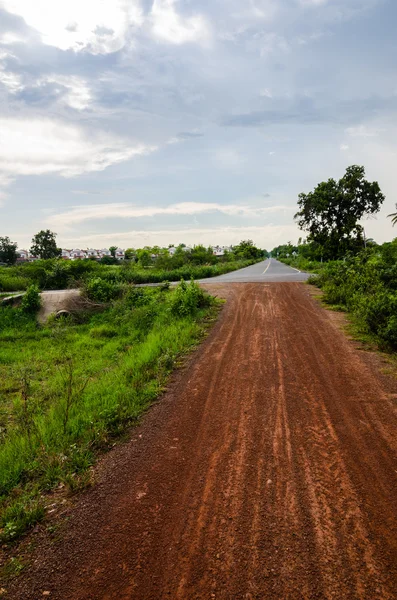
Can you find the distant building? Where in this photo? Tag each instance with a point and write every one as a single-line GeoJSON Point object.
{"type": "Point", "coordinates": [220, 250]}
{"type": "Point", "coordinates": [77, 254]}
{"type": "Point", "coordinates": [104, 252]}
{"type": "Point", "coordinates": [91, 253]}
{"type": "Point", "coordinates": [23, 255]}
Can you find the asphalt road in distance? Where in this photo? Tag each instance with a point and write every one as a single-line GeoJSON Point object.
{"type": "Point", "coordinates": [270, 270]}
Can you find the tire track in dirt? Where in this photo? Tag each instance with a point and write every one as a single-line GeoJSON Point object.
{"type": "Point", "coordinates": [267, 471]}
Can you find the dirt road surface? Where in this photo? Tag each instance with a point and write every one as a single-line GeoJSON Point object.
{"type": "Point", "coordinates": [267, 471]}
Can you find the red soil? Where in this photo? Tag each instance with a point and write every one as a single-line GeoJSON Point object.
{"type": "Point", "coordinates": [267, 471]}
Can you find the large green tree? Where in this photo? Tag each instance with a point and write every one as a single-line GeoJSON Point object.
{"type": "Point", "coordinates": [44, 245]}
{"type": "Point", "coordinates": [332, 211]}
{"type": "Point", "coordinates": [247, 250]}
{"type": "Point", "coordinates": [8, 251]}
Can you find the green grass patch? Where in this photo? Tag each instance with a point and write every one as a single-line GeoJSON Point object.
{"type": "Point", "coordinates": [68, 389]}
{"type": "Point", "coordinates": [58, 274]}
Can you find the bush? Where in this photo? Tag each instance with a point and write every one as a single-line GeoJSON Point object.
{"type": "Point", "coordinates": [188, 298]}
{"type": "Point", "coordinates": [100, 290]}
{"type": "Point", "coordinates": [31, 301]}
{"type": "Point", "coordinates": [13, 283]}
{"type": "Point", "coordinates": [366, 286]}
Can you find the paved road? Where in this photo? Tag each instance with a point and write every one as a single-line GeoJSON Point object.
{"type": "Point", "coordinates": [269, 270]}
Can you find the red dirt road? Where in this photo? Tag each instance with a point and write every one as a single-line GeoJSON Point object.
{"type": "Point", "coordinates": [267, 471]}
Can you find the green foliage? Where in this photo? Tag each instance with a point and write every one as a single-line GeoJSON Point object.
{"type": "Point", "coordinates": [144, 257]}
{"type": "Point", "coordinates": [12, 283]}
{"type": "Point", "coordinates": [188, 298]}
{"type": "Point", "coordinates": [331, 213]}
{"type": "Point", "coordinates": [247, 251]}
{"type": "Point", "coordinates": [68, 389]}
{"type": "Point", "coordinates": [44, 245]}
{"type": "Point", "coordinates": [31, 300]}
{"type": "Point", "coordinates": [100, 290]}
{"type": "Point", "coordinates": [109, 260]}
{"type": "Point", "coordinates": [18, 517]}
{"type": "Point", "coordinates": [366, 286]}
{"type": "Point", "coordinates": [55, 274]}
{"type": "Point", "coordinates": [8, 251]}
{"type": "Point", "coordinates": [129, 254]}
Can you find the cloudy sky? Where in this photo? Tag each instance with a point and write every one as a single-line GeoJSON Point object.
{"type": "Point", "coordinates": [163, 121]}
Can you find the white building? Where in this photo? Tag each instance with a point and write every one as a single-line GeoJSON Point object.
{"type": "Point", "coordinates": [77, 254]}
{"type": "Point", "coordinates": [23, 255]}
{"type": "Point", "coordinates": [91, 253]}
{"type": "Point", "coordinates": [220, 250]}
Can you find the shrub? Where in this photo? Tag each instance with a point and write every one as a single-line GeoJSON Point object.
{"type": "Point", "coordinates": [31, 301]}
{"type": "Point", "coordinates": [13, 283]}
{"type": "Point", "coordinates": [188, 298]}
{"type": "Point", "coordinates": [100, 290]}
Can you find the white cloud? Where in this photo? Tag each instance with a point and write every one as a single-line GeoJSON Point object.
{"type": "Point", "coordinates": [267, 236]}
{"type": "Point", "coordinates": [78, 94]}
{"type": "Point", "coordinates": [312, 2]}
{"type": "Point", "coordinates": [171, 27]}
{"type": "Point", "coordinates": [362, 131]}
{"type": "Point", "coordinates": [12, 81]}
{"type": "Point", "coordinates": [38, 146]}
{"type": "Point", "coordinates": [79, 214]}
{"type": "Point", "coordinates": [97, 26]}
{"type": "Point", "coordinates": [344, 147]}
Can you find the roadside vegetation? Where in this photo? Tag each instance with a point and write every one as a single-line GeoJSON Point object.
{"type": "Point", "coordinates": [355, 274]}
{"type": "Point", "coordinates": [68, 388]}
{"type": "Point", "coordinates": [147, 265]}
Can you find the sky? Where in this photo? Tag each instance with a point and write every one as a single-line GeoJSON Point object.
{"type": "Point", "coordinates": [143, 122]}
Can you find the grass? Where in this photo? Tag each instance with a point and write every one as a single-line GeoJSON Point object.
{"type": "Point", "coordinates": [68, 389]}
{"type": "Point", "coordinates": [59, 274]}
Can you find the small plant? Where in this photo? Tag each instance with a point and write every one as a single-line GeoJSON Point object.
{"type": "Point", "coordinates": [12, 568]}
{"type": "Point", "coordinates": [24, 408]}
{"type": "Point", "coordinates": [72, 391]}
{"type": "Point", "coordinates": [19, 517]}
{"type": "Point", "coordinates": [31, 300]}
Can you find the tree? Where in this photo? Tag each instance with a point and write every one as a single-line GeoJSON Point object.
{"type": "Point", "coordinates": [144, 257]}
{"type": "Point", "coordinates": [392, 215]}
{"type": "Point", "coordinates": [200, 255]}
{"type": "Point", "coordinates": [113, 250]}
{"type": "Point", "coordinates": [247, 250]}
{"type": "Point", "coordinates": [331, 213]}
{"type": "Point", "coordinates": [129, 254]}
{"type": "Point", "coordinates": [8, 251]}
{"type": "Point", "coordinates": [44, 245]}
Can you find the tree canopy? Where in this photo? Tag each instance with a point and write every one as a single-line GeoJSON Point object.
{"type": "Point", "coordinates": [331, 212]}
{"type": "Point", "coordinates": [247, 250]}
{"type": "Point", "coordinates": [8, 251]}
{"type": "Point", "coordinates": [44, 245]}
